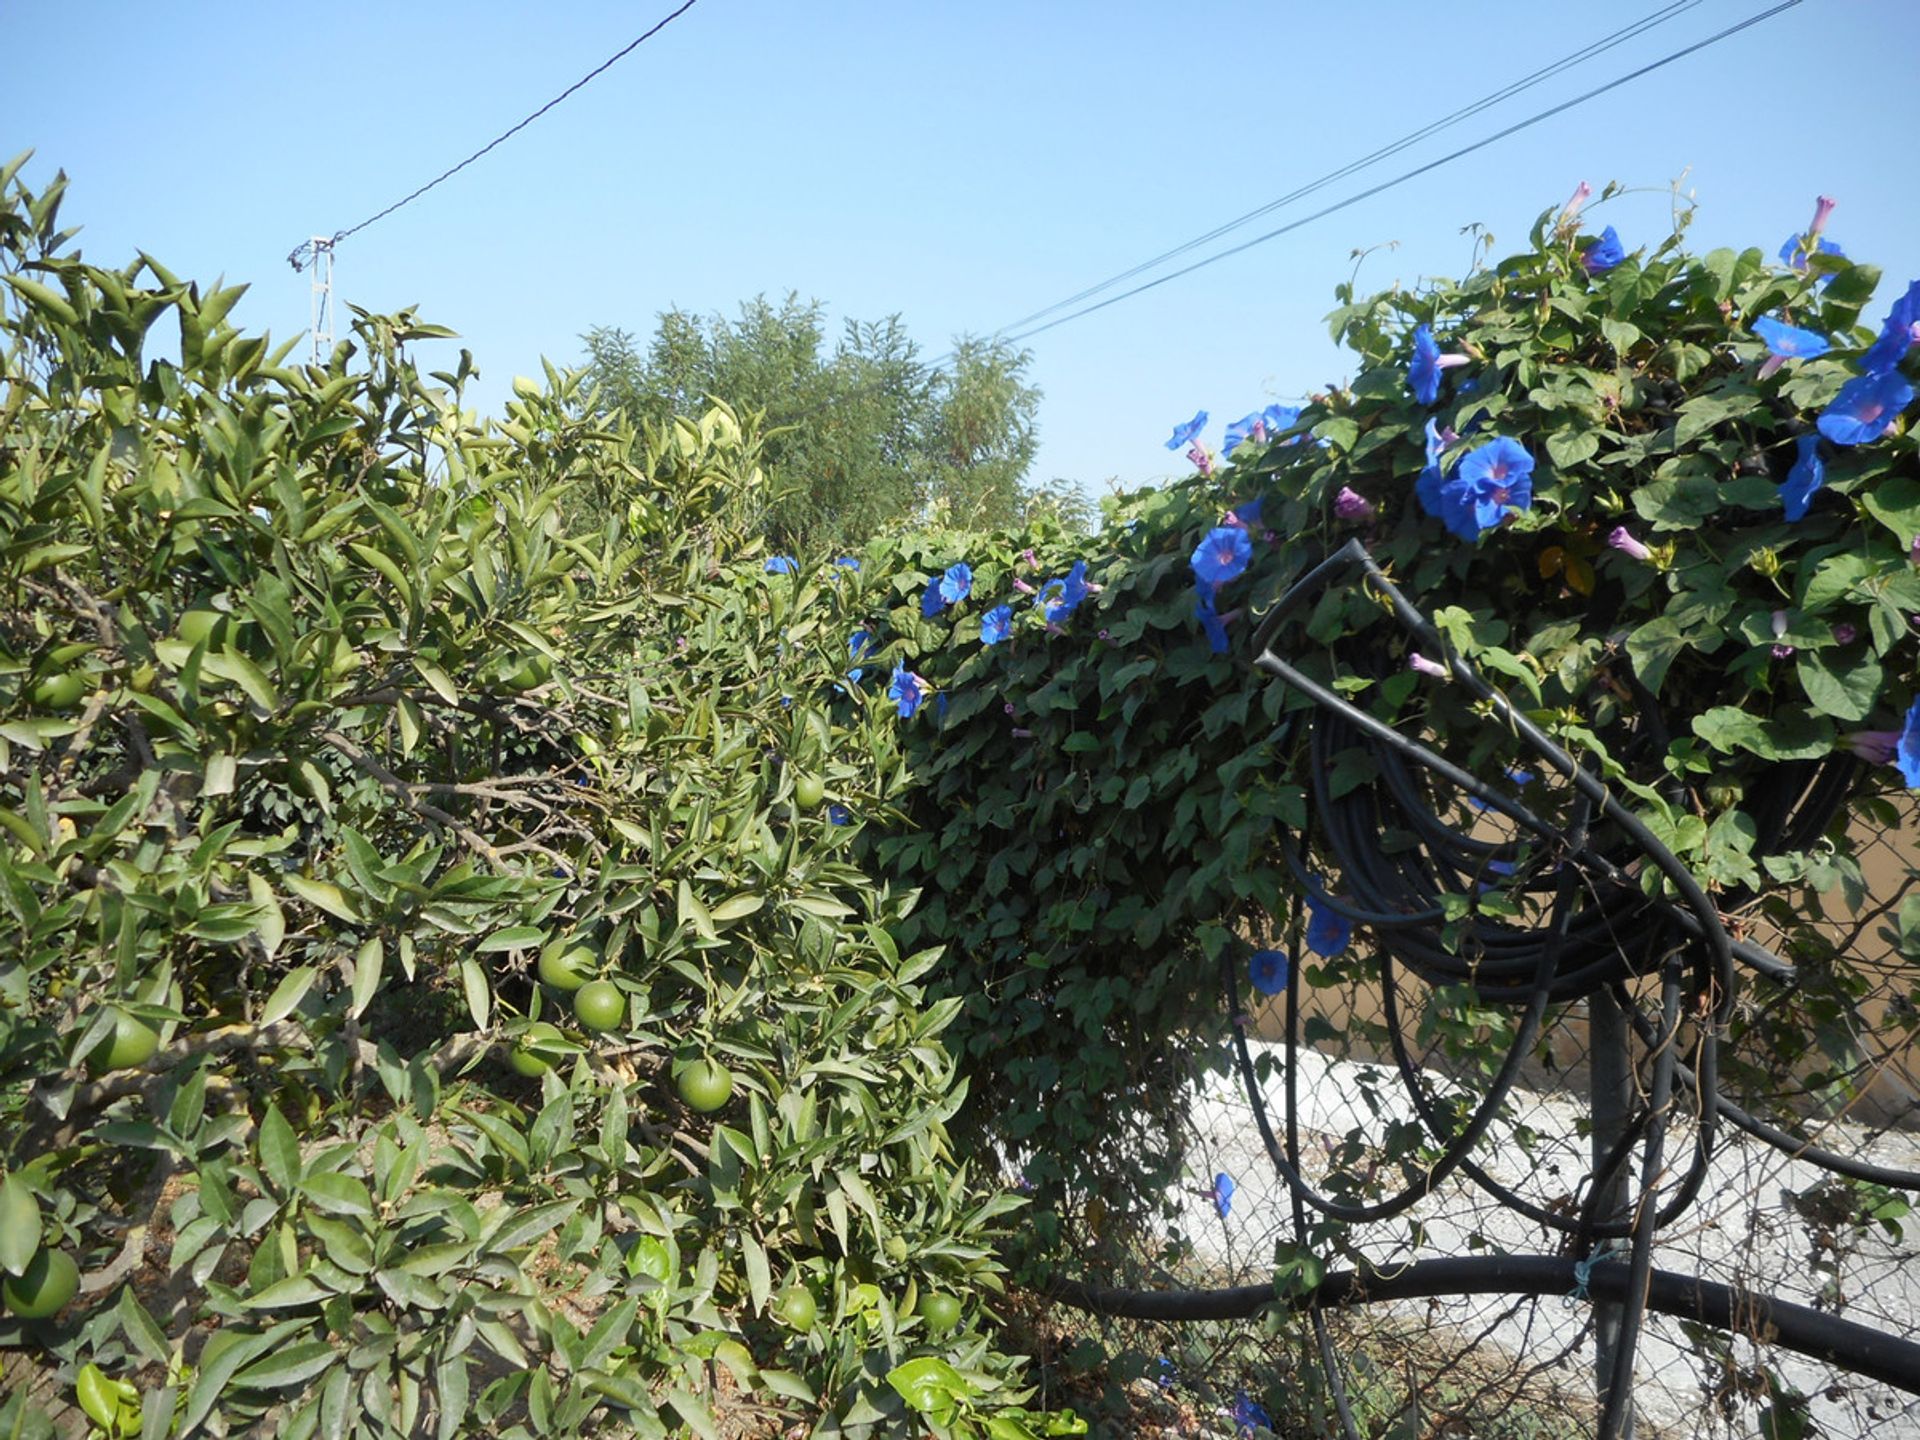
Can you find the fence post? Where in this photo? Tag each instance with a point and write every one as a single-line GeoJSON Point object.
{"type": "Point", "coordinates": [1610, 1094]}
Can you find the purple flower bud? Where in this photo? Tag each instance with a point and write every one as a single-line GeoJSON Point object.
{"type": "Point", "coordinates": [1351, 506]}
{"type": "Point", "coordinates": [1845, 634]}
{"type": "Point", "coordinates": [1621, 539]}
{"type": "Point", "coordinates": [1425, 666]}
{"type": "Point", "coordinates": [1823, 206]}
{"type": "Point", "coordinates": [1202, 461]}
{"type": "Point", "coordinates": [1582, 193]}
{"type": "Point", "coordinates": [1876, 747]}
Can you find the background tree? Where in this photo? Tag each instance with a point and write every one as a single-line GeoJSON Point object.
{"type": "Point", "coordinates": [864, 431]}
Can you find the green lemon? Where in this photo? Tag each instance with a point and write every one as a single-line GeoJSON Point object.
{"type": "Point", "coordinates": [940, 1310]}
{"type": "Point", "coordinates": [61, 692]}
{"type": "Point", "coordinates": [51, 1280]}
{"type": "Point", "coordinates": [567, 968]}
{"type": "Point", "coordinates": [809, 791]}
{"type": "Point", "coordinates": [705, 1085]}
{"type": "Point", "coordinates": [599, 1005]}
{"type": "Point", "coordinates": [797, 1307]}
{"type": "Point", "coordinates": [535, 670]}
{"type": "Point", "coordinates": [132, 1043]}
{"type": "Point", "coordinates": [530, 1054]}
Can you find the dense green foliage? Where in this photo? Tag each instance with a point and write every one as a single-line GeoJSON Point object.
{"type": "Point", "coordinates": [1097, 801]}
{"type": "Point", "coordinates": [504, 915]}
{"type": "Point", "coordinates": [863, 434]}
{"type": "Point", "coordinates": [325, 719]}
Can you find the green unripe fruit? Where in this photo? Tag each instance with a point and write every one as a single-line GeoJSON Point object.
{"type": "Point", "coordinates": [600, 1005]}
{"type": "Point", "coordinates": [809, 791]}
{"type": "Point", "coordinates": [568, 969]}
{"type": "Point", "coordinates": [51, 1280]}
{"type": "Point", "coordinates": [941, 1311]}
{"type": "Point", "coordinates": [132, 1043]}
{"type": "Point", "coordinates": [797, 1308]}
{"type": "Point", "coordinates": [705, 1085]}
{"type": "Point", "coordinates": [534, 671]}
{"type": "Point", "coordinates": [61, 692]}
{"type": "Point", "coordinates": [528, 1055]}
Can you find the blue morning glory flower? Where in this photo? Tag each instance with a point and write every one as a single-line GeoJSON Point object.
{"type": "Point", "coordinates": [1280, 418]}
{"type": "Point", "coordinates": [1061, 596]}
{"type": "Point", "coordinates": [1223, 555]}
{"type": "Point", "coordinates": [848, 561]}
{"type": "Point", "coordinates": [1423, 373]}
{"type": "Point", "coordinates": [1806, 477]}
{"type": "Point", "coordinates": [996, 625]}
{"type": "Point", "coordinates": [957, 583]}
{"type": "Point", "coordinates": [1794, 253]}
{"type": "Point", "coordinates": [1247, 512]}
{"type": "Point", "coordinates": [1907, 753]}
{"type": "Point", "coordinates": [859, 644]}
{"type": "Point", "coordinates": [1210, 618]}
{"type": "Point", "coordinates": [907, 690]}
{"type": "Point", "coordinates": [1223, 1194]}
{"type": "Point", "coordinates": [1604, 254]}
{"type": "Point", "coordinates": [839, 815]}
{"type": "Point", "coordinates": [1327, 931]}
{"type": "Point", "coordinates": [1247, 427]}
{"type": "Point", "coordinates": [1185, 434]}
{"type": "Point", "coordinates": [1865, 408]}
{"type": "Point", "coordinates": [1268, 970]}
{"type": "Point", "coordinates": [783, 565]}
{"type": "Point", "coordinates": [1787, 342]}
{"type": "Point", "coordinates": [931, 601]}
{"type": "Point", "coordinates": [1249, 1415]}
{"type": "Point", "coordinates": [1490, 482]}
{"type": "Point", "coordinates": [1897, 334]}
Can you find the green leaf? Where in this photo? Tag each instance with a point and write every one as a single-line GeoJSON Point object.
{"type": "Point", "coordinates": [1652, 648]}
{"type": "Point", "coordinates": [278, 1148]}
{"type": "Point", "coordinates": [294, 1290]}
{"type": "Point", "coordinates": [1846, 692]}
{"type": "Point", "coordinates": [287, 995]}
{"type": "Point", "coordinates": [929, 1383]}
{"type": "Point", "coordinates": [473, 984]}
{"type": "Point", "coordinates": [337, 1194]}
{"type": "Point", "coordinates": [290, 1366]}
{"type": "Point", "coordinates": [367, 964]}
{"type": "Point", "coordinates": [19, 1225]}
{"type": "Point", "coordinates": [1791, 735]}
{"type": "Point", "coordinates": [323, 896]}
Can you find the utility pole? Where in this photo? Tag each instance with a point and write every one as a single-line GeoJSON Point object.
{"type": "Point", "coordinates": [322, 294]}
{"type": "Point", "coordinates": [318, 253]}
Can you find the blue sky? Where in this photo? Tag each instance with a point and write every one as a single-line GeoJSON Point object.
{"type": "Point", "coordinates": [962, 164]}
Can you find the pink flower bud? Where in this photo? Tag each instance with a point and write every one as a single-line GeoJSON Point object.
{"type": "Point", "coordinates": [1352, 506]}
{"type": "Point", "coordinates": [1876, 747]}
{"type": "Point", "coordinates": [1621, 539]}
{"type": "Point", "coordinates": [1425, 666]}
{"type": "Point", "coordinates": [1822, 209]}
{"type": "Point", "coordinates": [1582, 193]}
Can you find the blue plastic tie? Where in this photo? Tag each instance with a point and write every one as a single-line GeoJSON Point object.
{"type": "Point", "coordinates": [1583, 1270]}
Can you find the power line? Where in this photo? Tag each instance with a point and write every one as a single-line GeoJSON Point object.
{"type": "Point", "coordinates": [304, 253]}
{"type": "Point", "coordinates": [1386, 185]}
{"type": "Point", "coordinates": [1598, 47]}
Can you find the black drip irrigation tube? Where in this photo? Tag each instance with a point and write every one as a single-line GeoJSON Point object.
{"type": "Point", "coordinates": [1583, 949]}
{"type": "Point", "coordinates": [1817, 1334]}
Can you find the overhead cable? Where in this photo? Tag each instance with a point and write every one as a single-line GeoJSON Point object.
{"type": "Point", "coordinates": [304, 252]}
